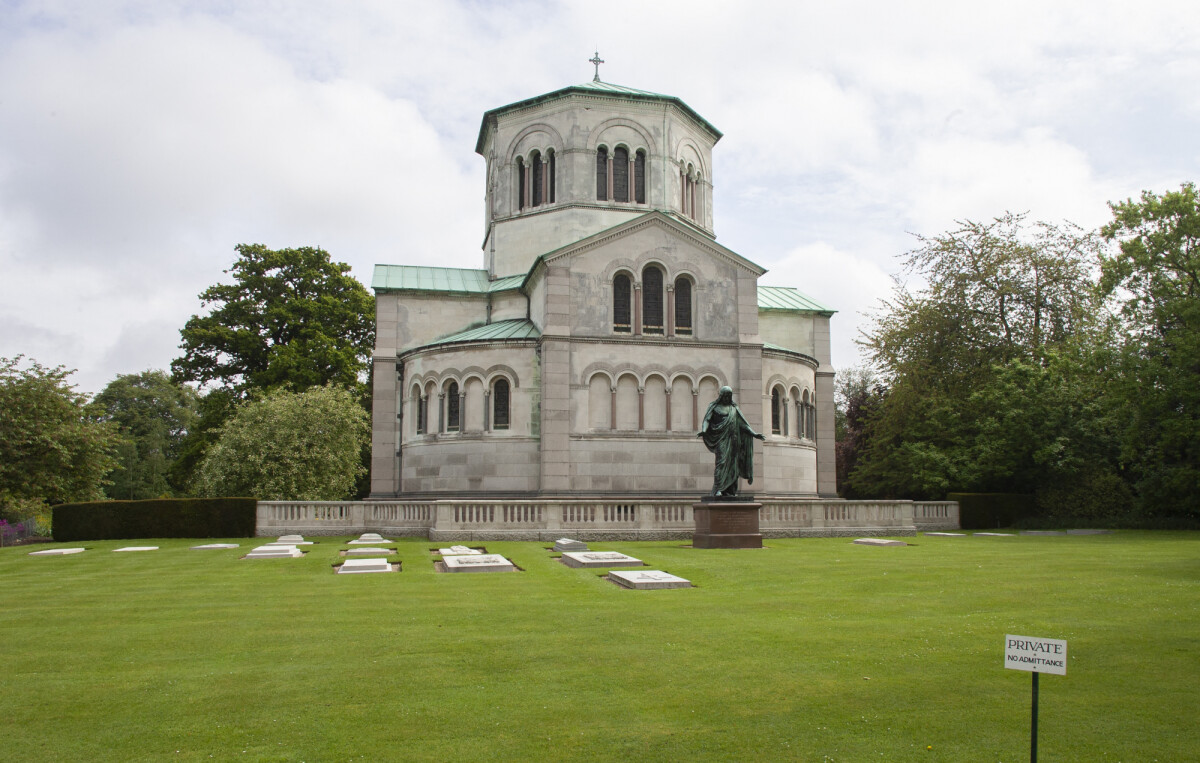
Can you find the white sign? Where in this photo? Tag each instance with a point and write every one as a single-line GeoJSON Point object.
{"type": "Point", "coordinates": [1037, 655]}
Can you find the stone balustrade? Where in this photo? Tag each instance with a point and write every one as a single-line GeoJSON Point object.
{"type": "Point", "coordinates": [546, 519]}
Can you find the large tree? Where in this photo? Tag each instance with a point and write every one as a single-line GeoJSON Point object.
{"type": "Point", "coordinates": [155, 414]}
{"type": "Point", "coordinates": [52, 449]}
{"type": "Point", "coordinates": [985, 364]}
{"type": "Point", "coordinates": [289, 446]}
{"type": "Point", "coordinates": [1155, 276]}
{"type": "Point", "coordinates": [292, 318]}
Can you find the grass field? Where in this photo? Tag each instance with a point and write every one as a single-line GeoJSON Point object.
{"type": "Point", "coordinates": [811, 649]}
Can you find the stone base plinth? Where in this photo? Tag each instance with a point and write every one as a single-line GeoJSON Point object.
{"type": "Point", "coordinates": [726, 524]}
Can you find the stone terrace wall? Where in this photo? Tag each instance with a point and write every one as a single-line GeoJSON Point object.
{"type": "Point", "coordinates": [607, 518]}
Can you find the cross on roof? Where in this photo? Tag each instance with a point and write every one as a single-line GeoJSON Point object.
{"type": "Point", "coordinates": [596, 60]}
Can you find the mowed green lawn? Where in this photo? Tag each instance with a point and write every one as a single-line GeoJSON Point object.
{"type": "Point", "coordinates": [811, 649]}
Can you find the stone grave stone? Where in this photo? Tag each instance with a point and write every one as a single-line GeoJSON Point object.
{"type": "Point", "coordinates": [56, 552]}
{"type": "Point", "coordinates": [996, 535]}
{"type": "Point", "coordinates": [879, 542]}
{"type": "Point", "coordinates": [136, 548]}
{"type": "Point", "coordinates": [368, 539]}
{"type": "Point", "coordinates": [1089, 532]}
{"type": "Point", "coordinates": [274, 552]}
{"type": "Point", "coordinates": [567, 544]}
{"type": "Point", "coordinates": [216, 545]}
{"type": "Point", "coordinates": [593, 559]}
{"type": "Point", "coordinates": [1042, 532]}
{"type": "Point", "coordinates": [648, 580]}
{"type": "Point", "coordinates": [352, 566]}
{"type": "Point", "coordinates": [370, 551]}
{"type": "Point", "coordinates": [477, 563]}
{"type": "Point", "coordinates": [945, 535]}
{"type": "Point", "coordinates": [459, 551]}
{"type": "Point", "coordinates": [291, 538]}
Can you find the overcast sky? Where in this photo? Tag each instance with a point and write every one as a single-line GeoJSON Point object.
{"type": "Point", "coordinates": [141, 141]}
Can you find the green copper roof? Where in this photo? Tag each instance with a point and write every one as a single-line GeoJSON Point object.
{"type": "Point", "coordinates": [513, 330]}
{"type": "Point", "coordinates": [787, 298]}
{"type": "Point", "coordinates": [444, 280]}
{"type": "Point", "coordinates": [592, 88]}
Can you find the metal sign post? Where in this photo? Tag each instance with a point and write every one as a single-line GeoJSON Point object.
{"type": "Point", "coordinates": [1036, 655]}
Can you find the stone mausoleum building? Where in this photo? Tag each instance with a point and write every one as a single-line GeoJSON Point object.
{"type": "Point", "coordinates": [580, 358]}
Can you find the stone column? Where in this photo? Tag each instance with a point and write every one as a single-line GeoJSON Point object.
{"type": "Point", "coordinates": [487, 410]}
{"type": "Point", "coordinates": [668, 391]}
{"type": "Point", "coordinates": [637, 308]}
{"type": "Point", "coordinates": [441, 413]}
{"type": "Point", "coordinates": [669, 318]}
{"type": "Point", "coordinates": [385, 417]}
{"type": "Point", "coordinates": [641, 408]}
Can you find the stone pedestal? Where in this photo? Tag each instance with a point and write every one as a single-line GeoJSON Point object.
{"type": "Point", "coordinates": [727, 523]}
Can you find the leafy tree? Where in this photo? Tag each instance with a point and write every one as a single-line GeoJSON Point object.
{"type": "Point", "coordinates": [155, 414]}
{"type": "Point", "coordinates": [985, 364]}
{"type": "Point", "coordinates": [301, 446]}
{"type": "Point", "coordinates": [51, 449]}
{"type": "Point", "coordinates": [292, 319]}
{"type": "Point", "coordinates": [1155, 277]}
{"type": "Point", "coordinates": [858, 392]}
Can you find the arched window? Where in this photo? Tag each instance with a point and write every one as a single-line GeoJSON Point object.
{"type": "Point", "coordinates": [538, 178]}
{"type": "Point", "coordinates": [602, 174]}
{"type": "Point", "coordinates": [776, 410]}
{"type": "Point", "coordinates": [652, 300]}
{"type": "Point", "coordinates": [622, 304]}
{"type": "Point", "coordinates": [639, 177]}
{"type": "Point", "coordinates": [683, 306]}
{"type": "Point", "coordinates": [621, 174]}
{"type": "Point", "coordinates": [452, 407]}
{"type": "Point", "coordinates": [520, 183]}
{"type": "Point", "coordinates": [422, 411]}
{"type": "Point", "coordinates": [500, 404]}
{"type": "Point", "coordinates": [550, 160]}
{"type": "Point", "coordinates": [812, 417]}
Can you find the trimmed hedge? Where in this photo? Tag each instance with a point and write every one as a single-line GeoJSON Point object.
{"type": "Point", "coordinates": [987, 511]}
{"type": "Point", "coordinates": [155, 518]}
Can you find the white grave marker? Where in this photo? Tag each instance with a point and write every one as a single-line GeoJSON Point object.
{"type": "Point", "coordinates": [459, 551]}
{"type": "Point", "coordinates": [649, 580]}
{"type": "Point", "coordinates": [369, 539]}
{"type": "Point", "coordinates": [136, 548]}
{"type": "Point", "coordinates": [567, 544]}
{"type": "Point", "coordinates": [216, 545]}
{"type": "Point", "coordinates": [352, 566]}
{"type": "Point", "coordinates": [477, 563]}
{"type": "Point", "coordinates": [592, 559]}
{"type": "Point", "coordinates": [274, 552]}
{"type": "Point", "coordinates": [57, 552]}
{"type": "Point", "coordinates": [369, 551]}
{"type": "Point", "coordinates": [879, 542]}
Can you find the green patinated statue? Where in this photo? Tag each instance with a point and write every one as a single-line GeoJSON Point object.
{"type": "Point", "coordinates": [727, 434]}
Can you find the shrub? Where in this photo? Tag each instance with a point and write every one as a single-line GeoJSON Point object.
{"type": "Point", "coordinates": [156, 518]}
{"type": "Point", "coordinates": [987, 511]}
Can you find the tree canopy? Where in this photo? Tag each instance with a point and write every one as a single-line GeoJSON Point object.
{"type": "Point", "coordinates": [292, 318]}
{"type": "Point", "coordinates": [155, 414]}
{"type": "Point", "coordinates": [303, 446]}
{"type": "Point", "coordinates": [52, 449]}
{"type": "Point", "coordinates": [1154, 276]}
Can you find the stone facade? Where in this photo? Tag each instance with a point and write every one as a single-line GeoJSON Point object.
{"type": "Point", "coordinates": [580, 358]}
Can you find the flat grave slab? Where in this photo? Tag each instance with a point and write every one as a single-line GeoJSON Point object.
{"type": "Point", "coordinates": [593, 559]}
{"type": "Point", "coordinates": [945, 535]}
{"type": "Point", "coordinates": [477, 563]}
{"type": "Point", "coordinates": [879, 542]}
{"type": "Point", "coordinates": [1089, 532]}
{"type": "Point", "coordinates": [136, 548]}
{"type": "Point", "coordinates": [217, 545]}
{"type": "Point", "coordinates": [274, 552]}
{"type": "Point", "coordinates": [459, 551]}
{"type": "Point", "coordinates": [352, 566]}
{"type": "Point", "coordinates": [568, 544]}
{"type": "Point", "coordinates": [369, 551]}
{"type": "Point", "coordinates": [56, 552]}
{"type": "Point", "coordinates": [648, 580]}
{"type": "Point", "coordinates": [367, 539]}
{"type": "Point", "coordinates": [1042, 532]}
{"type": "Point", "coordinates": [288, 538]}
{"type": "Point", "coordinates": [996, 535]}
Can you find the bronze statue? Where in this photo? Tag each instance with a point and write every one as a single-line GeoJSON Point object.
{"type": "Point", "coordinates": [727, 434]}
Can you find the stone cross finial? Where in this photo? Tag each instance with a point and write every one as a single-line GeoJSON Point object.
{"type": "Point", "coordinates": [596, 60]}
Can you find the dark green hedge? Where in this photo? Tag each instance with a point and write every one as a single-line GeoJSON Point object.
{"type": "Point", "coordinates": [987, 511]}
{"type": "Point", "coordinates": [155, 518]}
